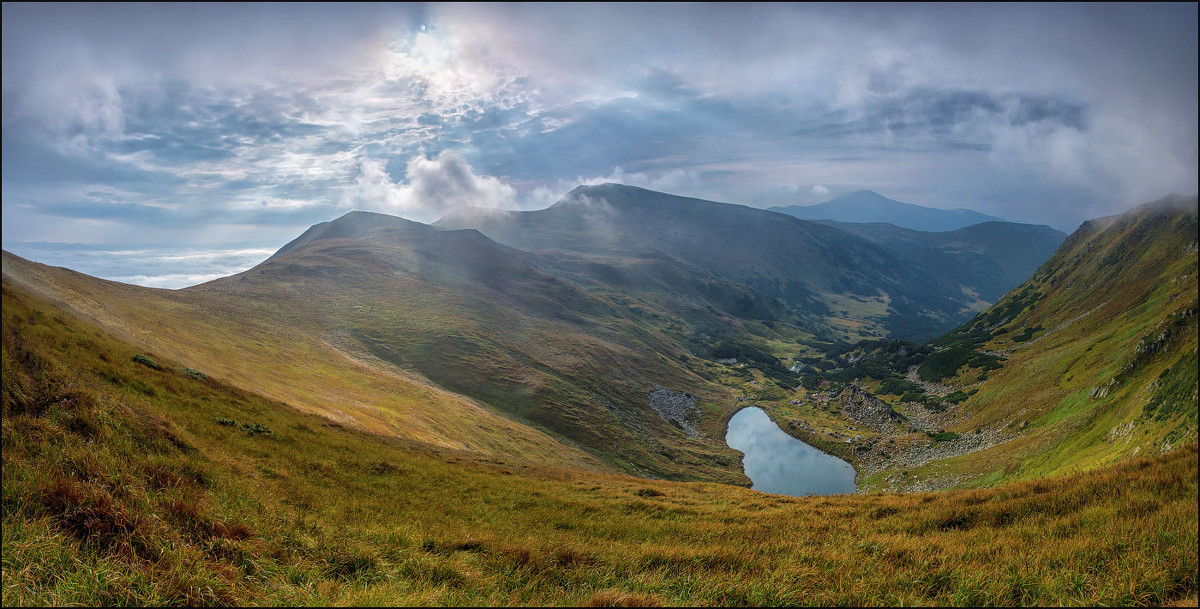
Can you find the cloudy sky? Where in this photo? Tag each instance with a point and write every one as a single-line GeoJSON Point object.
{"type": "Point", "coordinates": [168, 145]}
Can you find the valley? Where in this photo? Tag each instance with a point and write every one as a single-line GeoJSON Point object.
{"type": "Point", "coordinates": [131, 484]}
{"type": "Point", "coordinates": [560, 384]}
{"type": "Point", "coordinates": [501, 304]}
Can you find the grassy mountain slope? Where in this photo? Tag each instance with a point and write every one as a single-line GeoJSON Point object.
{"type": "Point", "coordinates": [277, 351]}
{"type": "Point", "coordinates": [482, 319]}
{"type": "Point", "coordinates": [126, 484]}
{"type": "Point", "coordinates": [374, 300]}
{"type": "Point", "coordinates": [1102, 363]}
{"type": "Point", "coordinates": [847, 286]}
{"type": "Point", "coordinates": [1091, 361]}
{"type": "Point", "coordinates": [865, 206]}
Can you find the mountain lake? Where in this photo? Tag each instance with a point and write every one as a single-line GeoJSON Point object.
{"type": "Point", "coordinates": [778, 463]}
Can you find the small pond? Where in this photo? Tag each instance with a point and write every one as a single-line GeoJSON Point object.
{"type": "Point", "coordinates": [778, 463]}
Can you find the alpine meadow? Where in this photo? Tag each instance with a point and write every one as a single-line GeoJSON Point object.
{"type": "Point", "coordinates": [482, 305]}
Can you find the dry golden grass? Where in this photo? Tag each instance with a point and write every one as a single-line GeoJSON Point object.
{"type": "Point", "coordinates": [120, 486]}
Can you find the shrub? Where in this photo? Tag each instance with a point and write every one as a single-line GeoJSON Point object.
{"type": "Point", "coordinates": [195, 374]}
{"type": "Point", "coordinates": [221, 421]}
{"type": "Point", "coordinates": [894, 385]}
{"type": "Point", "coordinates": [1026, 334]}
{"type": "Point", "coordinates": [985, 361]}
{"type": "Point", "coordinates": [256, 429]}
{"type": "Point", "coordinates": [146, 361]}
{"type": "Point", "coordinates": [942, 364]}
{"type": "Point", "coordinates": [956, 397]}
{"type": "Point", "coordinates": [942, 436]}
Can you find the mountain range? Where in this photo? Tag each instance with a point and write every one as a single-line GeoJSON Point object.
{"type": "Point", "coordinates": [843, 285]}
{"type": "Point", "coordinates": [390, 410]}
{"type": "Point", "coordinates": [865, 206]}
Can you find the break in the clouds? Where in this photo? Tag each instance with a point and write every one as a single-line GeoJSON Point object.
{"type": "Point", "coordinates": [209, 125]}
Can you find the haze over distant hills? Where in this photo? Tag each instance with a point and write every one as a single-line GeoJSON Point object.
{"type": "Point", "coordinates": [992, 257]}
{"type": "Point", "coordinates": [869, 206]}
{"type": "Point", "coordinates": [842, 281]}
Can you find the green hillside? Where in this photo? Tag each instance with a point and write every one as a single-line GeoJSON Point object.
{"type": "Point", "coordinates": [382, 311]}
{"type": "Point", "coordinates": [277, 352]}
{"type": "Point", "coordinates": [482, 320]}
{"type": "Point", "coordinates": [134, 477]}
{"type": "Point", "coordinates": [389, 413]}
{"type": "Point", "coordinates": [1091, 361]}
{"type": "Point", "coordinates": [1100, 347]}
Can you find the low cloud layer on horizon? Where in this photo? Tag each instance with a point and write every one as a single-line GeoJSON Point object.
{"type": "Point", "coordinates": [217, 124]}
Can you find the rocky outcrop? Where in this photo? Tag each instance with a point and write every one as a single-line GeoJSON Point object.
{"type": "Point", "coordinates": [677, 408]}
{"type": "Point", "coordinates": [869, 410]}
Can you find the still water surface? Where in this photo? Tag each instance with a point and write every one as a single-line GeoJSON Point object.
{"type": "Point", "coordinates": [778, 463]}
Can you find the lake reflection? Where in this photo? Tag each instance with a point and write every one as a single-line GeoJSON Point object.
{"type": "Point", "coordinates": [778, 463]}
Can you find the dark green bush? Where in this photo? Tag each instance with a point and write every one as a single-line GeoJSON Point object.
{"type": "Point", "coordinates": [1026, 334]}
{"type": "Point", "coordinates": [256, 429]}
{"type": "Point", "coordinates": [956, 397]}
{"type": "Point", "coordinates": [942, 436]}
{"type": "Point", "coordinates": [945, 363]}
{"type": "Point", "coordinates": [146, 361]}
{"type": "Point", "coordinates": [985, 361]}
{"type": "Point", "coordinates": [894, 385]}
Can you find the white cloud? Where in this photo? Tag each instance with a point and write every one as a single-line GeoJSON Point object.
{"type": "Point", "coordinates": [819, 190]}
{"type": "Point", "coordinates": [299, 106]}
{"type": "Point", "coordinates": [432, 188]}
{"type": "Point", "coordinates": [160, 266]}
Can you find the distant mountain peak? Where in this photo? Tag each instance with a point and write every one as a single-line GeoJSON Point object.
{"type": "Point", "coordinates": [864, 206]}
{"type": "Point", "coordinates": [612, 191]}
{"type": "Point", "coordinates": [864, 193]}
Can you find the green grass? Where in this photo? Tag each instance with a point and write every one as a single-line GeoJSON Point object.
{"type": "Point", "coordinates": [286, 354]}
{"type": "Point", "coordinates": [1085, 365]}
{"type": "Point", "coordinates": [117, 496]}
{"type": "Point", "coordinates": [1100, 320]}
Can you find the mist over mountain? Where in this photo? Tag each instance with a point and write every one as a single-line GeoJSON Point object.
{"type": "Point", "coordinates": [864, 206]}
{"type": "Point", "coordinates": [991, 257]}
{"type": "Point", "coordinates": [840, 281]}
